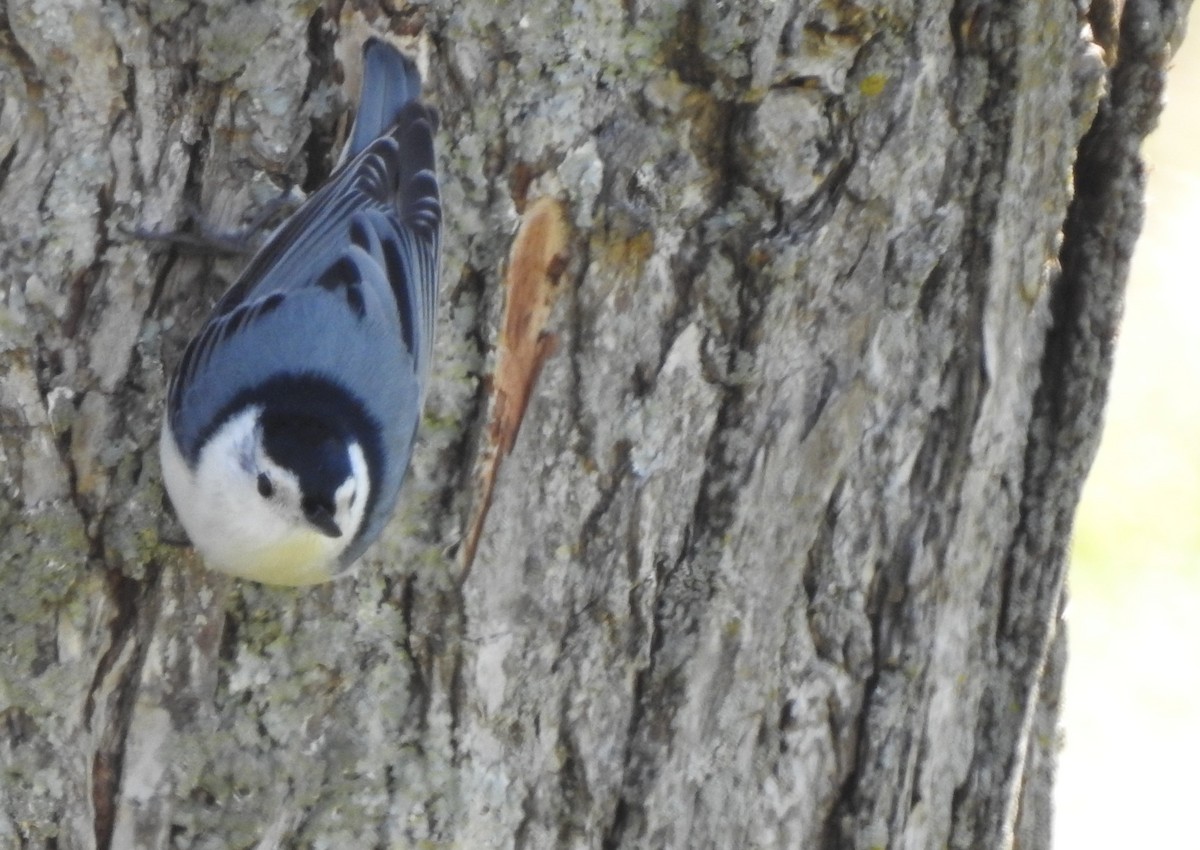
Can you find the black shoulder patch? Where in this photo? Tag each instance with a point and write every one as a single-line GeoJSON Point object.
{"type": "Point", "coordinates": [359, 235]}
{"type": "Point", "coordinates": [341, 274]}
{"type": "Point", "coordinates": [269, 304]}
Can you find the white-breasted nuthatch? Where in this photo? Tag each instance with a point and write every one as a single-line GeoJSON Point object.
{"type": "Point", "coordinates": [291, 418]}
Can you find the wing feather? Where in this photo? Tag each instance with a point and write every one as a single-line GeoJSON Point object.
{"type": "Point", "coordinates": [371, 236]}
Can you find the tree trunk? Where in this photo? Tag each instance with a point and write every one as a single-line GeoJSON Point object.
{"type": "Point", "coordinates": [739, 514]}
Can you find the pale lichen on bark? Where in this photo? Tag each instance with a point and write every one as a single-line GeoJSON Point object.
{"type": "Point", "coordinates": [776, 559]}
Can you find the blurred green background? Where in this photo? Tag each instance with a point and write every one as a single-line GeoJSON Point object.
{"type": "Point", "coordinates": [1129, 774]}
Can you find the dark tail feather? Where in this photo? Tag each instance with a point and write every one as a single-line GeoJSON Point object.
{"type": "Point", "coordinates": [390, 81]}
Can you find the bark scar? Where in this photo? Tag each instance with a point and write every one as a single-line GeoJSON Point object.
{"type": "Point", "coordinates": [536, 263]}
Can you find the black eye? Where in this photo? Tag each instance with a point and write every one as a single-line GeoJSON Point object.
{"type": "Point", "coordinates": [265, 488]}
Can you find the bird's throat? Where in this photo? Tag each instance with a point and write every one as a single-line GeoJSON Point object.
{"type": "Point", "coordinates": [302, 558]}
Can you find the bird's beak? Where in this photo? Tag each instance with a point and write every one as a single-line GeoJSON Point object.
{"type": "Point", "coordinates": [320, 517]}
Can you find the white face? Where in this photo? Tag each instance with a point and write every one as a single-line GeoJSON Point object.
{"type": "Point", "coordinates": [243, 511]}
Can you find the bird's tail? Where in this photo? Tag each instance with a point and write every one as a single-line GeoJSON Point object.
{"type": "Point", "coordinates": [390, 81]}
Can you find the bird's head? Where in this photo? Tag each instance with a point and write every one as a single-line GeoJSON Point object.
{"type": "Point", "coordinates": [276, 497]}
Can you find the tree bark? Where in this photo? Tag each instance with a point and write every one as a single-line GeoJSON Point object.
{"type": "Point", "coordinates": [740, 509]}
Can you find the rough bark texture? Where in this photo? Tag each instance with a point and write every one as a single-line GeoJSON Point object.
{"type": "Point", "coordinates": [776, 559]}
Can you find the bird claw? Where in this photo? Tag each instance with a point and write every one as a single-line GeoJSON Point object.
{"type": "Point", "coordinates": [208, 239]}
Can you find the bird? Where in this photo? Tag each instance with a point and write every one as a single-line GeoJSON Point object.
{"type": "Point", "coordinates": [290, 420]}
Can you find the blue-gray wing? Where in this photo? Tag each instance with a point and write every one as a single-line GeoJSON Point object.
{"type": "Point", "coordinates": [360, 257]}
